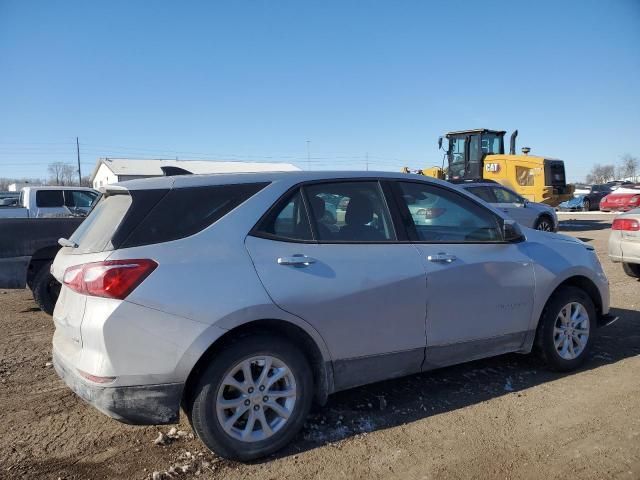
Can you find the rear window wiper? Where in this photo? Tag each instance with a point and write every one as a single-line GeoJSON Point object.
{"type": "Point", "coordinates": [65, 242]}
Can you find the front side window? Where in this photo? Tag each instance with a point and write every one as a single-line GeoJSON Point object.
{"type": "Point", "coordinates": [505, 196]}
{"type": "Point", "coordinates": [349, 212]}
{"type": "Point", "coordinates": [78, 198]}
{"type": "Point", "coordinates": [442, 216]}
{"type": "Point", "coordinates": [482, 192]}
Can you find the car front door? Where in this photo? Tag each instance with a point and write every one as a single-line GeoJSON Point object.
{"type": "Point", "coordinates": [480, 290]}
{"type": "Point", "coordinates": [347, 275]}
{"type": "Point", "coordinates": [515, 206]}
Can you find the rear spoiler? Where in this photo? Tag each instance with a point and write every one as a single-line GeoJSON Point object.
{"type": "Point", "coordinates": [173, 171]}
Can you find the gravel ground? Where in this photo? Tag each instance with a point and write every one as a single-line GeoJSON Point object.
{"type": "Point", "coordinates": [505, 417]}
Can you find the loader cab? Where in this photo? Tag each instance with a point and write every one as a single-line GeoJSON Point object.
{"type": "Point", "coordinates": [467, 150]}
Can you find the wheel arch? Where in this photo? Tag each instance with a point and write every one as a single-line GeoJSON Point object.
{"type": "Point", "coordinates": [320, 365]}
{"type": "Point", "coordinates": [579, 281]}
{"type": "Point", "coordinates": [40, 258]}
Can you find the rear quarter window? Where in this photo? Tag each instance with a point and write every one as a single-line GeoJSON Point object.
{"type": "Point", "coordinates": [186, 211]}
{"type": "Point", "coordinates": [143, 217]}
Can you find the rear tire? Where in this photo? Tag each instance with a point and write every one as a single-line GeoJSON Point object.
{"type": "Point", "coordinates": [632, 269]}
{"type": "Point", "coordinates": [220, 397]}
{"type": "Point", "coordinates": [45, 289]}
{"type": "Point", "coordinates": [544, 224]}
{"type": "Point", "coordinates": [586, 205]}
{"type": "Point", "coordinates": [566, 329]}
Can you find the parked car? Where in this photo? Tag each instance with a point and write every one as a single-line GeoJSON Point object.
{"type": "Point", "coordinates": [9, 199]}
{"type": "Point", "coordinates": [586, 198]}
{"type": "Point", "coordinates": [530, 214]}
{"type": "Point", "coordinates": [624, 242]}
{"type": "Point", "coordinates": [621, 200]}
{"type": "Point", "coordinates": [27, 249]}
{"type": "Point", "coordinates": [228, 295]}
{"type": "Point", "coordinates": [39, 202]}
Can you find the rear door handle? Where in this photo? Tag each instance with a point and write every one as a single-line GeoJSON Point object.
{"type": "Point", "coordinates": [441, 258]}
{"type": "Point", "coordinates": [297, 260]}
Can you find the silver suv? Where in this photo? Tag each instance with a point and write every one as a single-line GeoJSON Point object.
{"type": "Point", "coordinates": [244, 298]}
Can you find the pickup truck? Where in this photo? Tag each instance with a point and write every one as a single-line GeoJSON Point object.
{"type": "Point", "coordinates": [27, 248]}
{"type": "Point", "coordinates": [40, 202]}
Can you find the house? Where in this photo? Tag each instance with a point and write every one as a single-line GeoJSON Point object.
{"type": "Point", "coordinates": [113, 170]}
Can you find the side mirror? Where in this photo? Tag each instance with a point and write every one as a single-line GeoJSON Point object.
{"type": "Point", "coordinates": [525, 203]}
{"type": "Point", "coordinates": [511, 232]}
{"type": "Point", "coordinates": [439, 143]}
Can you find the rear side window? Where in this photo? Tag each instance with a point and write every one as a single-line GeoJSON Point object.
{"type": "Point", "coordinates": [288, 220]}
{"type": "Point", "coordinates": [438, 215]}
{"type": "Point", "coordinates": [185, 211]}
{"type": "Point", "coordinates": [49, 198]}
{"type": "Point", "coordinates": [78, 198]}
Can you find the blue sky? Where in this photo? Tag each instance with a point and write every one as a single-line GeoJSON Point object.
{"type": "Point", "coordinates": [256, 79]}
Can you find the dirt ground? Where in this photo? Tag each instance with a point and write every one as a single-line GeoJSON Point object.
{"type": "Point", "coordinates": [506, 417]}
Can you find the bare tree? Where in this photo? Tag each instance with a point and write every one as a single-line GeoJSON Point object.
{"type": "Point", "coordinates": [628, 167]}
{"type": "Point", "coordinates": [61, 173]}
{"type": "Point", "coordinates": [601, 173]}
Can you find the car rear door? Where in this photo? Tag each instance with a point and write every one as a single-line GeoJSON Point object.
{"type": "Point", "coordinates": [48, 203]}
{"type": "Point", "coordinates": [480, 290]}
{"type": "Point", "coordinates": [347, 275]}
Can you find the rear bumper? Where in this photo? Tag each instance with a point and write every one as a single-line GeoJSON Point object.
{"type": "Point", "coordinates": [137, 405]}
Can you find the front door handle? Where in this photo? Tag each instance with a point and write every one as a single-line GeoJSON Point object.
{"type": "Point", "coordinates": [297, 260]}
{"type": "Point", "coordinates": [441, 258]}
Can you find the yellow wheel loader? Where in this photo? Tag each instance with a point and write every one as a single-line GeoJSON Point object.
{"type": "Point", "coordinates": [476, 155]}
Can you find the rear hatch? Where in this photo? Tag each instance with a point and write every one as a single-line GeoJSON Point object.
{"type": "Point", "coordinates": [143, 213]}
{"type": "Point", "coordinates": [108, 225]}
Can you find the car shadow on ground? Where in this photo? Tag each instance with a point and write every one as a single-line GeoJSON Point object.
{"type": "Point", "coordinates": [580, 225]}
{"type": "Point", "coordinates": [396, 402]}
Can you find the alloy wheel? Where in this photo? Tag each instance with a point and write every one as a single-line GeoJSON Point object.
{"type": "Point", "coordinates": [544, 225]}
{"type": "Point", "coordinates": [256, 398]}
{"type": "Point", "coordinates": [571, 331]}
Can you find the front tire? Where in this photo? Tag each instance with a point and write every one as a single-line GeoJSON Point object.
{"type": "Point", "coordinates": [566, 329]}
{"type": "Point", "coordinates": [45, 289]}
{"type": "Point", "coordinates": [586, 205]}
{"type": "Point", "coordinates": [631, 269]}
{"type": "Point", "coordinates": [544, 224]}
{"type": "Point", "coordinates": [253, 397]}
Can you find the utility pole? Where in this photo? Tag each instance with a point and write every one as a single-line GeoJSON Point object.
{"type": "Point", "coordinates": [78, 152]}
{"type": "Point", "coordinates": [367, 161]}
{"type": "Point", "coordinates": [308, 155]}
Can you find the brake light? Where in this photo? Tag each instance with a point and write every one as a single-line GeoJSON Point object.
{"type": "Point", "coordinates": [110, 279]}
{"type": "Point", "coordinates": [628, 224]}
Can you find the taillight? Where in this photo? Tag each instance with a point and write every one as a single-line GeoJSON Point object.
{"type": "Point", "coordinates": [628, 224]}
{"type": "Point", "coordinates": [111, 279]}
